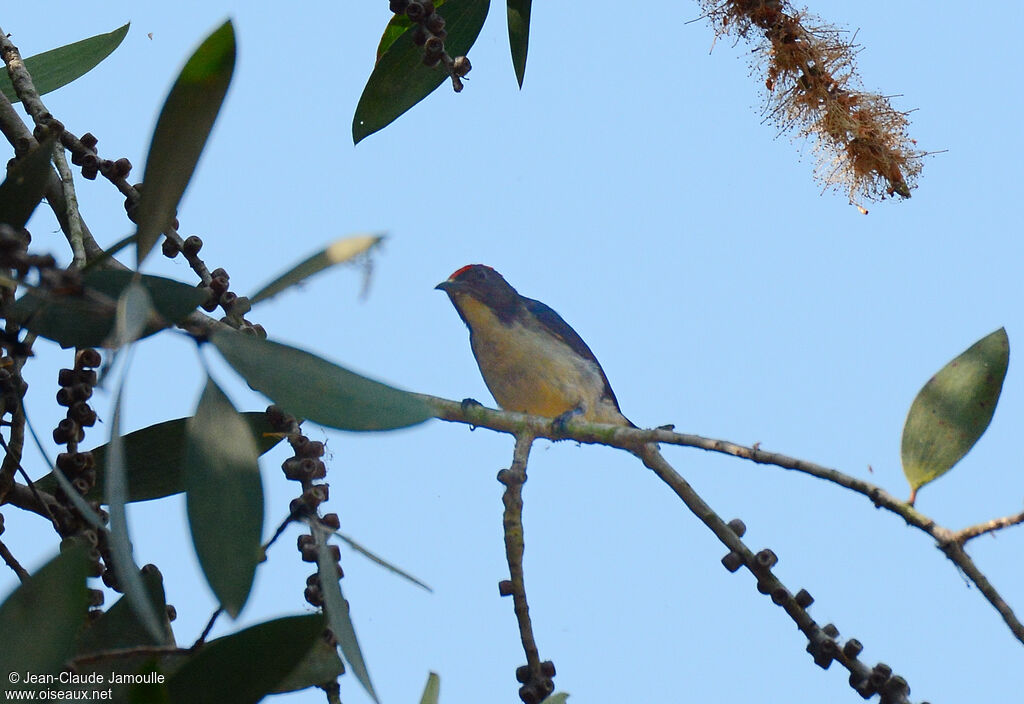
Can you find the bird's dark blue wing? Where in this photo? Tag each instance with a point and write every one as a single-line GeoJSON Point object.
{"type": "Point", "coordinates": [563, 331]}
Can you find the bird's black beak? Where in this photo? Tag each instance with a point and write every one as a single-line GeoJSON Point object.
{"type": "Point", "coordinates": [447, 286]}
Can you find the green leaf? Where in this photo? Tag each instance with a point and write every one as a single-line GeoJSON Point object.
{"type": "Point", "coordinates": [953, 409]}
{"type": "Point", "coordinates": [321, 665]}
{"type": "Point", "coordinates": [40, 618]}
{"type": "Point", "coordinates": [339, 251]}
{"type": "Point", "coordinates": [127, 572]}
{"type": "Point", "coordinates": [132, 315]}
{"type": "Point", "coordinates": [557, 698]}
{"type": "Point", "coordinates": [309, 387]}
{"type": "Point", "coordinates": [337, 610]}
{"type": "Point", "coordinates": [25, 184]}
{"type": "Point", "coordinates": [155, 458]}
{"type": "Point", "coordinates": [57, 67]}
{"type": "Point", "coordinates": [120, 628]}
{"type": "Point", "coordinates": [398, 25]}
{"type": "Point", "coordinates": [246, 666]}
{"type": "Point", "coordinates": [400, 80]}
{"type": "Point", "coordinates": [225, 497]}
{"type": "Point", "coordinates": [87, 318]}
{"type": "Point", "coordinates": [432, 690]}
{"type": "Point", "coordinates": [519, 35]}
{"type": "Point", "coordinates": [372, 557]}
{"type": "Point", "coordinates": [181, 132]}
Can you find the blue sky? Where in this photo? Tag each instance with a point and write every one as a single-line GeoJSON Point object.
{"type": "Point", "coordinates": [632, 186]}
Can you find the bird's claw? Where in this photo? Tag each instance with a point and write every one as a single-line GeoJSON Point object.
{"type": "Point", "coordinates": [559, 422]}
{"type": "Point", "coordinates": [467, 402]}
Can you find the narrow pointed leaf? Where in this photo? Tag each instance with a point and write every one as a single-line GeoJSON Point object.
{"type": "Point", "coordinates": [246, 666]}
{"type": "Point", "coordinates": [432, 690]}
{"type": "Point", "coordinates": [337, 252]}
{"type": "Point", "coordinates": [310, 387]}
{"type": "Point", "coordinates": [320, 665]}
{"type": "Point", "coordinates": [519, 35]}
{"type": "Point", "coordinates": [155, 458]}
{"type": "Point", "coordinates": [56, 68]}
{"type": "Point", "coordinates": [400, 80]}
{"type": "Point", "coordinates": [120, 628]}
{"type": "Point", "coordinates": [59, 479]}
{"type": "Point", "coordinates": [40, 618]}
{"type": "Point", "coordinates": [134, 309]}
{"type": "Point", "coordinates": [225, 497]}
{"type": "Point", "coordinates": [953, 409]}
{"type": "Point", "coordinates": [87, 318]}
{"type": "Point", "coordinates": [337, 610]}
{"type": "Point", "coordinates": [25, 184]}
{"type": "Point", "coordinates": [181, 132]}
{"type": "Point", "coordinates": [125, 569]}
{"type": "Point", "coordinates": [372, 557]}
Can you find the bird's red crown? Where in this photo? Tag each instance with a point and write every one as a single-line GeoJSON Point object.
{"type": "Point", "coordinates": [459, 272]}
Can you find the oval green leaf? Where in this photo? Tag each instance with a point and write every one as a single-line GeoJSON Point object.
{"type": "Point", "coordinates": [25, 184]}
{"type": "Point", "coordinates": [155, 458]}
{"type": "Point", "coordinates": [313, 388]}
{"type": "Point", "coordinates": [953, 410]}
{"type": "Point", "coordinates": [246, 666]}
{"type": "Point", "coordinates": [181, 132]}
{"type": "Point", "coordinates": [400, 80]}
{"type": "Point", "coordinates": [519, 35]}
{"type": "Point", "coordinates": [224, 497]}
{"type": "Point", "coordinates": [41, 617]}
{"type": "Point", "coordinates": [56, 68]}
{"type": "Point", "coordinates": [87, 318]}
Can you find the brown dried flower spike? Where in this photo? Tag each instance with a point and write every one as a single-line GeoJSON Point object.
{"type": "Point", "coordinates": [860, 139]}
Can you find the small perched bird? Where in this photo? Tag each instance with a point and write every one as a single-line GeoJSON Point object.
{"type": "Point", "coordinates": [530, 358]}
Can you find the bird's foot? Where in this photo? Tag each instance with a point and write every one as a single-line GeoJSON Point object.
{"type": "Point", "coordinates": [467, 402]}
{"type": "Point", "coordinates": [559, 422]}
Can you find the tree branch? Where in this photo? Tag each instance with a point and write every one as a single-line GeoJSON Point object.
{"type": "Point", "coordinates": [13, 563]}
{"type": "Point", "coordinates": [536, 676]}
{"type": "Point", "coordinates": [965, 534]}
{"type": "Point", "coordinates": [630, 439]}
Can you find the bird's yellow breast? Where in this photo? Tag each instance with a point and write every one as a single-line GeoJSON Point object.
{"type": "Point", "coordinates": [529, 370]}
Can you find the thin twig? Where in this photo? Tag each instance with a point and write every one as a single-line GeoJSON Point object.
{"type": "Point", "coordinates": [206, 631]}
{"type": "Point", "coordinates": [537, 684]}
{"type": "Point", "coordinates": [76, 236]}
{"type": "Point", "coordinates": [13, 448]}
{"type": "Point", "coordinates": [13, 563]}
{"type": "Point", "coordinates": [22, 80]}
{"type": "Point", "coordinates": [965, 534]}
